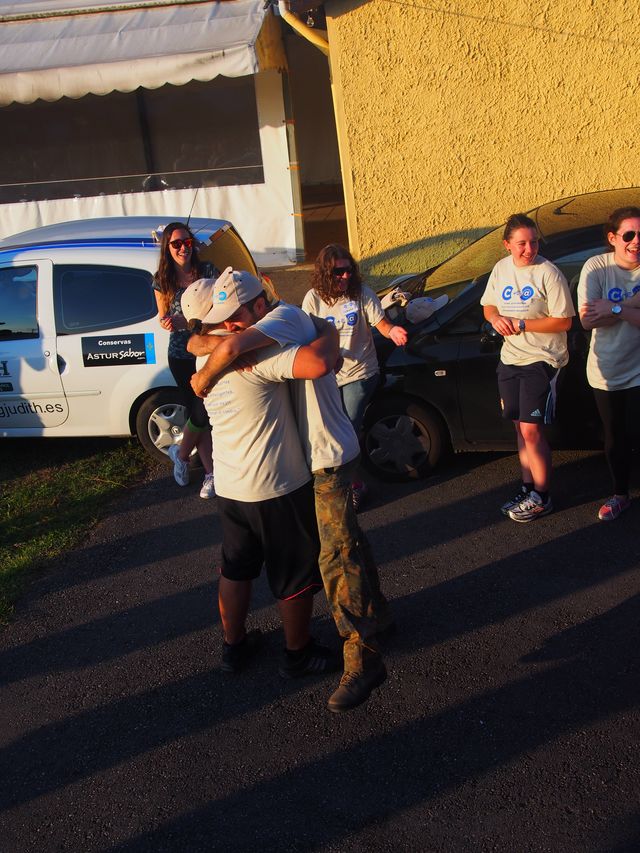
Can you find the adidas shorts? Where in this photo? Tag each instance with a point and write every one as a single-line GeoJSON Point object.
{"type": "Point", "coordinates": [528, 392]}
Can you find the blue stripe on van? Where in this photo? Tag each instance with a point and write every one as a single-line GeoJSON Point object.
{"type": "Point", "coordinates": [117, 242]}
{"type": "Point", "coordinates": [150, 347]}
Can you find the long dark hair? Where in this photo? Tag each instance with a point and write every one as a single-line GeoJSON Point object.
{"type": "Point", "coordinates": [323, 281]}
{"type": "Point", "coordinates": [166, 276]}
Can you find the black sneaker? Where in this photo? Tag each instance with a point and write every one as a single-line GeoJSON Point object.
{"type": "Point", "coordinates": [358, 494]}
{"type": "Point", "coordinates": [355, 688]}
{"type": "Point", "coordinates": [316, 660]}
{"type": "Point", "coordinates": [235, 657]}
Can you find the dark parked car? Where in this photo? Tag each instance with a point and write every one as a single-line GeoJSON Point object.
{"type": "Point", "coordinates": [440, 392]}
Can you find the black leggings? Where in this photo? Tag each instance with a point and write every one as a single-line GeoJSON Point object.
{"type": "Point", "coordinates": [182, 369]}
{"type": "Point", "coordinates": [620, 415]}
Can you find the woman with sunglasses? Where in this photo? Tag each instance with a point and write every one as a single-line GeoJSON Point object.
{"type": "Point", "coordinates": [609, 307]}
{"type": "Point", "coordinates": [339, 296]}
{"type": "Point", "coordinates": [527, 301]}
{"type": "Point", "coordinates": [179, 267]}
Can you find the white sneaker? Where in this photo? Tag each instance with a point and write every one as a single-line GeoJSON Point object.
{"type": "Point", "coordinates": [530, 508]}
{"type": "Point", "coordinates": [515, 501]}
{"type": "Point", "coordinates": [180, 468]}
{"type": "Point", "coordinates": [208, 490]}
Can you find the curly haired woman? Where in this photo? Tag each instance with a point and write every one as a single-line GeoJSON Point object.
{"type": "Point", "coordinates": [338, 295]}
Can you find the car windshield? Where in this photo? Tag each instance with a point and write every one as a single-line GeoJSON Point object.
{"type": "Point", "coordinates": [559, 222]}
{"type": "Point", "coordinates": [474, 261]}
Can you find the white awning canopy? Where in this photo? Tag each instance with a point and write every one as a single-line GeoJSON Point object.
{"type": "Point", "coordinates": [51, 49]}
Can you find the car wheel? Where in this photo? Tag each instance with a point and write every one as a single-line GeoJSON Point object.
{"type": "Point", "coordinates": [403, 440]}
{"type": "Point", "coordinates": [160, 421]}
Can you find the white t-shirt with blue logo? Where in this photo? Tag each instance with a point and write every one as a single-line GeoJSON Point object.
{"type": "Point", "coordinates": [530, 293]}
{"type": "Point", "coordinates": [257, 453]}
{"type": "Point", "coordinates": [614, 354]}
{"type": "Point", "coordinates": [353, 320]}
{"type": "Point", "coordinates": [327, 434]}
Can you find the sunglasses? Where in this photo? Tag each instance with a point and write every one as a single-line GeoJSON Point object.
{"type": "Point", "coordinates": [338, 272]}
{"type": "Point", "coordinates": [628, 236]}
{"type": "Point", "coordinates": [178, 244]}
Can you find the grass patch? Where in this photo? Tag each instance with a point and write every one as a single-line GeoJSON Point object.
{"type": "Point", "coordinates": [51, 492]}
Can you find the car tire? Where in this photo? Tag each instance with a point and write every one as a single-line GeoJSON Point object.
{"type": "Point", "coordinates": [160, 421]}
{"type": "Point", "coordinates": [403, 440]}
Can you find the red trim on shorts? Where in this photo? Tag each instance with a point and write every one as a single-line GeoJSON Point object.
{"type": "Point", "coordinates": [316, 586]}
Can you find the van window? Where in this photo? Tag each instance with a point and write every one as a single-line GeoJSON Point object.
{"type": "Point", "coordinates": [18, 317]}
{"type": "Point", "coordinates": [90, 298]}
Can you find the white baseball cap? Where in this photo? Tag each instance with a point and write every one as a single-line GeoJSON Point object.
{"type": "Point", "coordinates": [423, 307]}
{"type": "Point", "coordinates": [215, 300]}
{"type": "Point", "coordinates": [197, 300]}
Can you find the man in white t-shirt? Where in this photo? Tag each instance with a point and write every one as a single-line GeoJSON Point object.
{"type": "Point", "coordinates": [349, 572]}
{"type": "Point", "coordinates": [263, 485]}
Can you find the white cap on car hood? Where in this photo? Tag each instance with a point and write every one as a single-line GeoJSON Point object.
{"type": "Point", "coordinates": [424, 306]}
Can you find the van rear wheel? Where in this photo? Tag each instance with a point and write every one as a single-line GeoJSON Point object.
{"type": "Point", "coordinates": [160, 421]}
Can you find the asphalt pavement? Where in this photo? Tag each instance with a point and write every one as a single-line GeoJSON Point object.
{"type": "Point", "coordinates": [510, 720]}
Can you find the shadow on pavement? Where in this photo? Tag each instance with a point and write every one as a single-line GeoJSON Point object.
{"type": "Point", "coordinates": [57, 754]}
{"type": "Point", "coordinates": [366, 784]}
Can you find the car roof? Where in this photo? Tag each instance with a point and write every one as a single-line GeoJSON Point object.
{"type": "Point", "coordinates": [104, 231]}
{"type": "Point", "coordinates": [582, 211]}
{"type": "Point", "coordinates": [554, 219]}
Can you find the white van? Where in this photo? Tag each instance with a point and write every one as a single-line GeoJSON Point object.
{"type": "Point", "coordinates": [81, 349]}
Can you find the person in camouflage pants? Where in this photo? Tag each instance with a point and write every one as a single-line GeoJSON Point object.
{"type": "Point", "coordinates": [349, 572]}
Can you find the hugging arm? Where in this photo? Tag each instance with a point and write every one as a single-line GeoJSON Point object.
{"type": "Point", "coordinates": [320, 356]}
{"type": "Point", "coordinates": [224, 354]}
{"type": "Point", "coordinates": [200, 345]}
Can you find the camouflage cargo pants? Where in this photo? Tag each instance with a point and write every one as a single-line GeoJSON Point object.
{"type": "Point", "coordinates": [349, 573]}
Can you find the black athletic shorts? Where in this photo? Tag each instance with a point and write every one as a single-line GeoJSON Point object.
{"type": "Point", "coordinates": [528, 392]}
{"type": "Point", "coordinates": [182, 369]}
{"type": "Point", "coordinates": [281, 533]}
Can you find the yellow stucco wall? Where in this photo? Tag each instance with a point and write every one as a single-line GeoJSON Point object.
{"type": "Point", "coordinates": [452, 115]}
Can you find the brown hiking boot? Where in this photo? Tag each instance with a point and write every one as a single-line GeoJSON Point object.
{"type": "Point", "coordinates": [355, 688]}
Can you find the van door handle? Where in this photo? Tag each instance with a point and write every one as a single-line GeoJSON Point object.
{"type": "Point", "coordinates": [61, 364]}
